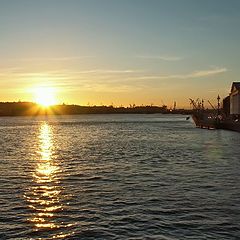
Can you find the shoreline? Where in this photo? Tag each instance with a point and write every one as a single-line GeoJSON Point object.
{"type": "Point", "coordinates": [9, 109]}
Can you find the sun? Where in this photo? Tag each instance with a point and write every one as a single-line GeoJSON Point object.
{"type": "Point", "coordinates": [45, 96]}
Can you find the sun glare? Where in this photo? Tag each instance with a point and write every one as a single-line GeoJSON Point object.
{"type": "Point", "coordinates": [45, 96]}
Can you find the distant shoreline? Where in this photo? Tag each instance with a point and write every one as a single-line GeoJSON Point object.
{"type": "Point", "coordinates": [32, 109]}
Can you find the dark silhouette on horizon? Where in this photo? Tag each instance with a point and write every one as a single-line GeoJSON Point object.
{"type": "Point", "coordinates": [33, 109]}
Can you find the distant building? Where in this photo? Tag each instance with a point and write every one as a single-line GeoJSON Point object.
{"type": "Point", "coordinates": [235, 99]}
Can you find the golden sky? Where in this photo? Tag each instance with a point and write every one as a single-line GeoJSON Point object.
{"type": "Point", "coordinates": [118, 52]}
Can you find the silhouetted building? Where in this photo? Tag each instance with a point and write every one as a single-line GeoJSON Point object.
{"type": "Point", "coordinates": [235, 99]}
{"type": "Point", "coordinates": [226, 105]}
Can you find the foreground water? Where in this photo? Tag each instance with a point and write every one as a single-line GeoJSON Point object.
{"type": "Point", "coordinates": [117, 177]}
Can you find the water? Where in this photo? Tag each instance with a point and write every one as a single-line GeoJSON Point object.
{"type": "Point", "coordinates": [117, 177]}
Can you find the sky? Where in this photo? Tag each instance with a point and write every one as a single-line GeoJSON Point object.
{"type": "Point", "coordinates": [94, 52]}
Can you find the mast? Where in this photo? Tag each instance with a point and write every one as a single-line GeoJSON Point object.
{"type": "Point", "coordinates": [218, 109]}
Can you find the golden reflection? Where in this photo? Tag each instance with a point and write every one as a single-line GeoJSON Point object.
{"type": "Point", "coordinates": [45, 142]}
{"type": "Point", "coordinates": [45, 196]}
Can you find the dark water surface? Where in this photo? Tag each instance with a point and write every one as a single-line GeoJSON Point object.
{"type": "Point", "coordinates": [117, 177]}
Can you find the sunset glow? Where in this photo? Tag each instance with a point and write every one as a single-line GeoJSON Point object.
{"type": "Point", "coordinates": [45, 96]}
{"type": "Point", "coordinates": [118, 53]}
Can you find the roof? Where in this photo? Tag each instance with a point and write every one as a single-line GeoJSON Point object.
{"type": "Point", "coordinates": [236, 85]}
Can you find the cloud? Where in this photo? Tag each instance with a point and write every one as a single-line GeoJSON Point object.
{"type": "Point", "coordinates": [47, 59]}
{"type": "Point", "coordinates": [98, 80]}
{"type": "Point", "coordinates": [21, 72]}
{"type": "Point", "coordinates": [106, 80]}
{"type": "Point", "coordinates": [163, 58]}
{"type": "Point", "coordinates": [124, 74]}
{"type": "Point", "coordinates": [105, 71]}
{"type": "Point", "coordinates": [206, 73]}
{"type": "Point", "coordinates": [195, 74]}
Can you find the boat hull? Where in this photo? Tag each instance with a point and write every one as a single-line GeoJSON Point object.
{"type": "Point", "coordinates": [213, 123]}
{"type": "Point", "coordinates": [204, 123]}
{"type": "Point", "coordinates": [233, 126]}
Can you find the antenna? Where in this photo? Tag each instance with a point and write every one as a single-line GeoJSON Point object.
{"type": "Point", "coordinates": [218, 98]}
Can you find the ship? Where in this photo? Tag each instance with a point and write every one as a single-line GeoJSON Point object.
{"type": "Point", "coordinates": [225, 115]}
{"type": "Point", "coordinates": [208, 121]}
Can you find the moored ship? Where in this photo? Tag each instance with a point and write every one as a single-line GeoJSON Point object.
{"type": "Point", "coordinates": [225, 117]}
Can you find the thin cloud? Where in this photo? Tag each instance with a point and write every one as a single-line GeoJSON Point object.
{"type": "Point", "coordinates": [68, 77]}
{"type": "Point", "coordinates": [163, 58]}
{"type": "Point", "coordinates": [55, 59]}
{"type": "Point", "coordinates": [206, 73]}
{"type": "Point", "coordinates": [105, 80]}
{"type": "Point", "coordinates": [196, 74]}
{"type": "Point", "coordinates": [103, 71]}
{"type": "Point", "coordinates": [16, 72]}
{"type": "Point", "coordinates": [126, 74]}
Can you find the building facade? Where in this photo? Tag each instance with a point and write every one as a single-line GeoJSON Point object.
{"type": "Point", "coordinates": [226, 106]}
{"type": "Point", "coordinates": [235, 99]}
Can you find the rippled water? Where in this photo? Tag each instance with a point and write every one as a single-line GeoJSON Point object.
{"type": "Point", "coordinates": [117, 177]}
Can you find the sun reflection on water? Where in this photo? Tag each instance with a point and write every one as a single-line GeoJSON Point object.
{"type": "Point", "coordinates": [45, 142]}
{"type": "Point", "coordinates": [46, 194]}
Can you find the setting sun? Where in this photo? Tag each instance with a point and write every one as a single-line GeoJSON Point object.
{"type": "Point", "coordinates": [45, 96]}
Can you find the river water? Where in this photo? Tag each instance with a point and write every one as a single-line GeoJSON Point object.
{"type": "Point", "coordinates": [117, 177]}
